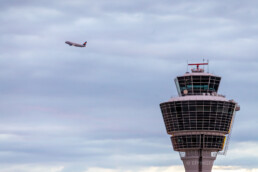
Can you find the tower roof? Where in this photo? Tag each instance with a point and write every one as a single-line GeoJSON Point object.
{"type": "Point", "coordinates": [200, 97]}
{"type": "Point", "coordinates": [198, 74]}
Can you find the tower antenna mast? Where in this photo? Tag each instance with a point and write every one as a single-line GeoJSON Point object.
{"type": "Point", "coordinates": [208, 66]}
{"type": "Point", "coordinates": [187, 66]}
{"type": "Point", "coordinates": [197, 67]}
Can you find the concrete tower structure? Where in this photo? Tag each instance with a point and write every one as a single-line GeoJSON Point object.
{"type": "Point", "coordinates": [199, 120]}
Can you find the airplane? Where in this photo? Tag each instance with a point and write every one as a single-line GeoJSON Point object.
{"type": "Point", "coordinates": [75, 44]}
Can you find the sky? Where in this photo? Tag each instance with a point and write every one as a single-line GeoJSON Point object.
{"type": "Point", "coordinates": [96, 109]}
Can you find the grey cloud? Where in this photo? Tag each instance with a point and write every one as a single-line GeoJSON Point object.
{"type": "Point", "coordinates": [100, 105]}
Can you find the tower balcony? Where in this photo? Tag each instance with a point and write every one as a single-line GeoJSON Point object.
{"type": "Point", "coordinates": [198, 113]}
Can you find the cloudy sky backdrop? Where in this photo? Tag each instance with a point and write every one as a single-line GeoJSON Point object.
{"type": "Point", "coordinates": [96, 109]}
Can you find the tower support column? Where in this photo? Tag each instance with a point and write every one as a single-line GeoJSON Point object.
{"type": "Point", "coordinates": [198, 161]}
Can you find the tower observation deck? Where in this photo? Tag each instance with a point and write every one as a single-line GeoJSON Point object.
{"type": "Point", "coordinates": [199, 120]}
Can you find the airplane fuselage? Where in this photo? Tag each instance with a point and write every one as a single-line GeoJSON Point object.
{"type": "Point", "coordinates": [75, 44]}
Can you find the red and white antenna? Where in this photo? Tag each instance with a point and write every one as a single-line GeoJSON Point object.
{"type": "Point", "coordinates": [197, 66]}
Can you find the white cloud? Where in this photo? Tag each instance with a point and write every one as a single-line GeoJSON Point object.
{"type": "Point", "coordinates": [31, 168]}
{"type": "Point", "coordinates": [47, 168]}
{"type": "Point", "coordinates": [244, 150]}
{"type": "Point", "coordinates": [96, 169]}
{"type": "Point", "coordinates": [29, 14]}
{"type": "Point", "coordinates": [174, 168]}
{"type": "Point", "coordinates": [233, 169]}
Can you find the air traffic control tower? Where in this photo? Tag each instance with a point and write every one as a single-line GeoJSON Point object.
{"type": "Point", "coordinates": [199, 120]}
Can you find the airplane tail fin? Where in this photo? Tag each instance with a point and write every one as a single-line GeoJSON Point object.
{"type": "Point", "coordinates": [85, 43]}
